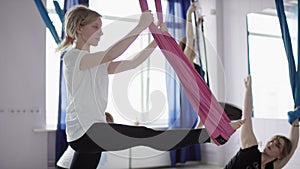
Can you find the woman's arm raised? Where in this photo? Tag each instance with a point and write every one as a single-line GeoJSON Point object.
{"type": "Point", "coordinates": [120, 66]}
{"type": "Point", "coordinates": [119, 47]}
{"type": "Point", "coordinates": [248, 138]}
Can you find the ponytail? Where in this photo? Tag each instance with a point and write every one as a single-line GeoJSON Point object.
{"type": "Point", "coordinates": [68, 41]}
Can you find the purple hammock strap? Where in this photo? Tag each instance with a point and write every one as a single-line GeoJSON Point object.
{"type": "Point", "coordinates": [211, 113]}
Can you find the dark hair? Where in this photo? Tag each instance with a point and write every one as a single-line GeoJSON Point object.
{"type": "Point", "coordinates": [109, 117]}
{"type": "Point", "coordinates": [287, 148]}
{"type": "Point", "coordinates": [182, 43]}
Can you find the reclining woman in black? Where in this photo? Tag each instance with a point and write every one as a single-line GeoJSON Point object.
{"type": "Point", "coordinates": [277, 152]}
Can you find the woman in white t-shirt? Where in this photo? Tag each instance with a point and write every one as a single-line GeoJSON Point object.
{"type": "Point", "coordinates": [86, 76]}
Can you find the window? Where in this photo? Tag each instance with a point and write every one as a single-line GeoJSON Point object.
{"type": "Point", "coordinates": [272, 95]}
{"type": "Point", "coordinates": [140, 84]}
{"type": "Point", "coordinates": [52, 68]}
{"type": "Point", "coordinates": [144, 80]}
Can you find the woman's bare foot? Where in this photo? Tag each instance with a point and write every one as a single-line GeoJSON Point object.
{"type": "Point", "coordinates": [237, 124]}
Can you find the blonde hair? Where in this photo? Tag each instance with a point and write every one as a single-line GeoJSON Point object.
{"type": "Point", "coordinates": [76, 16]}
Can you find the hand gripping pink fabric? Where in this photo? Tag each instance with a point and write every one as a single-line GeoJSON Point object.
{"type": "Point", "coordinates": [211, 113]}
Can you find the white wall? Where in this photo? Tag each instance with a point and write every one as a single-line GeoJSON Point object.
{"type": "Point", "coordinates": [22, 91]}
{"type": "Point", "coordinates": [235, 43]}
{"type": "Point", "coordinates": [226, 39]}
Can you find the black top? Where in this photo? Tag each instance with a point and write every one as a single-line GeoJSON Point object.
{"type": "Point", "coordinates": [249, 158]}
{"type": "Point", "coordinates": [198, 69]}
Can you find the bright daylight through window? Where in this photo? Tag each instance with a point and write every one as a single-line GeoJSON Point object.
{"type": "Point", "coordinates": [272, 96]}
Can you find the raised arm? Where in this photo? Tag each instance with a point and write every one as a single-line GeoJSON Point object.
{"type": "Point", "coordinates": [189, 49]}
{"type": "Point", "coordinates": [120, 66]}
{"type": "Point", "coordinates": [119, 47]}
{"type": "Point", "coordinates": [294, 137]}
{"type": "Point", "coordinates": [248, 138]}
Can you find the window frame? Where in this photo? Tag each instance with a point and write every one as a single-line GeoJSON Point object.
{"type": "Point", "coordinates": [272, 98]}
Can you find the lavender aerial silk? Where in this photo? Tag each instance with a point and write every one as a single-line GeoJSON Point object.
{"type": "Point", "coordinates": [203, 101]}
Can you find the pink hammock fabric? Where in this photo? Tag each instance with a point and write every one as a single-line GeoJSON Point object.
{"type": "Point", "coordinates": [203, 101]}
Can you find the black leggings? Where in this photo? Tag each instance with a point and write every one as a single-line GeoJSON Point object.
{"type": "Point", "coordinates": [113, 137]}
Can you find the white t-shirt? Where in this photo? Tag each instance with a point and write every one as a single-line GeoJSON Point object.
{"type": "Point", "coordinates": [87, 93]}
{"type": "Point", "coordinates": [65, 160]}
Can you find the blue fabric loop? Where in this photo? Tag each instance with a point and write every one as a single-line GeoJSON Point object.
{"type": "Point", "coordinates": [293, 72]}
{"type": "Point", "coordinates": [293, 115]}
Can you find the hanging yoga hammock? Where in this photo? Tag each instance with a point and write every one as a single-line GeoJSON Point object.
{"type": "Point", "coordinates": [203, 101]}
{"type": "Point", "coordinates": [294, 74]}
{"type": "Point", "coordinates": [44, 14]}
